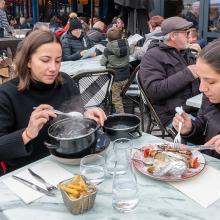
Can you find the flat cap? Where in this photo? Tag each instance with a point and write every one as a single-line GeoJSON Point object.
{"type": "Point", "coordinates": [175, 24]}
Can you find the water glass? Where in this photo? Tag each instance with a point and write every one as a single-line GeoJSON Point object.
{"type": "Point", "coordinates": [121, 147]}
{"type": "Point", "coordinates": [125, 196]}
{"type": "Point", "coordinates": [110, 160]}
{"type": "Point", "coordinates": [93, 168]}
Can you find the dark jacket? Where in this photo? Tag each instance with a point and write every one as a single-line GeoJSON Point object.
{"type": "Point", "coordinates": [116, 56]}
{"type": "Point", "coordinates": [15, 110]}
{"type": "Point", "coordinates": [167, 80]}
{"type": "Point", "coordinates": [72, 46]}
{"type": "Point", "coordinates": [97, 36]}
{"type": "Point", "coordinates": [206, 125]}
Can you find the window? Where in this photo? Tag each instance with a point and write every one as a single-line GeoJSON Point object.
{"type": "Point", "coordinates": [214, 16]}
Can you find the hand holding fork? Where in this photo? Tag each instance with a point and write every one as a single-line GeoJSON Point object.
{"type": "Point", "coordinates": [177, 139]}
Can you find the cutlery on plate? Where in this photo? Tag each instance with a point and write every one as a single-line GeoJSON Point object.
{"type": "Point", "coordinates": [143, 162]}
{"type": "Point", "coordinates": [48, 186]}
{"type": "Point", "coordinates": [33, 186]}
{"type": "Point", "coordinates": [183, 147]}
{"type": "Point", "coordinates": [197, 147]}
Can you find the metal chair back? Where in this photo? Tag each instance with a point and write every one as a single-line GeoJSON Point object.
{"type": "Point", "coordinates": [154, 123]}
{"type": "Point", "coordinates": [95, 88]}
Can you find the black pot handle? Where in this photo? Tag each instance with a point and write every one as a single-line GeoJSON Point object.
{"type": "Point", "coordinates": [132, 134]}
{"type": "Point", "coordinates": [50, 146]}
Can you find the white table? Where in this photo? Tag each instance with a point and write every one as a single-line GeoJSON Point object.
{"type": "Point", "coordinates": [75, 67]}
{"type": "Point", "coordinates": [195, 101]}
{"type": "Point", "coordinates": [158, 200]}
{"type": "Point", "coordinates": [90, 64]}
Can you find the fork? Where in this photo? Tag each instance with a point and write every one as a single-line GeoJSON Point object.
{"type": "Point", "coordinates": [177, 139]}
{"type": "Point", "coordinates": [48, 186]}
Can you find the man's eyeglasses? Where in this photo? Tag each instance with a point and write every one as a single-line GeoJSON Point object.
{"type": "Point", "coordinates": [186, 32]}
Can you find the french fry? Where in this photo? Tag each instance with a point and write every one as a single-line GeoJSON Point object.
{"type": "Point", "coordinates": [71, 196]}
{"type": "Point", "coordinates": [76, 179]}
{"type": "Point", "coordinates": [69, 190]}
{"type": "Point", "coordinates": [75, 188]}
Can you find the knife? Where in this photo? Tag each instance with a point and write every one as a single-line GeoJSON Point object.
{"type": "Point", "coordinates": [195, 147]}
{"type": "Point", "coordinates": [33, 186]}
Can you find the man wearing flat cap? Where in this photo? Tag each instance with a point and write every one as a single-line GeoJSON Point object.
{"type": "Point", "coordinates": [75, 42]}
{"type": "Point", "coordinates": [167, 72]}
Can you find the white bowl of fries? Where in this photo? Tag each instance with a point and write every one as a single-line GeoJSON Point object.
{"type": "Point", "coordinates": [77, 195]}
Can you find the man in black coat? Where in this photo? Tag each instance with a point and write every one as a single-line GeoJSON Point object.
{"type": "Point", "coordinates": [168, 72]}
{"type": "Point", "coordinates": [75, 42]}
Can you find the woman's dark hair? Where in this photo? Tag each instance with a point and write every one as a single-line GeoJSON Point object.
{"type": "Point", "coordinates": [29, 45]}
{"type": "Point", "coordinates": [211, 54]}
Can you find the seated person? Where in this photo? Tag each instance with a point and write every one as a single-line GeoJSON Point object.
{"type": "Point", "coordinates": [41, 26]}
{"type": "Point", "coordinates": [96, 34]}
{"type": "Point", "coordinates": [193, 36]}
{"type": "Point", "coordinates": [120, 24]}
{"type": "Point", "coordinates": [40, 84]}
{"type": "Point", "coordinates": [22, 23]}
{"type": "Point", "coordinates": [55, 23]}
{"type": "Point", "coordinates": [154, 35]}
{"type": "Point", "coordinates": [205, 128]}
{"type": "Point", "coordinates": [116, 56]}
{"type": "Point", "coordinates": [75, 42]}
{"type": "Point", "coordinates": [167, 71]}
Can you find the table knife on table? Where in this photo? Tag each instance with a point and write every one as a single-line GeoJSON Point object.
{"type": "Point", "coordinates": [33, 186]}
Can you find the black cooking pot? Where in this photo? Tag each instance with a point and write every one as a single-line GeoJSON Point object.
{"type": "Point", "coordinates": [71, 136]}
{"type": "Point", "coordinates": [122, 126]}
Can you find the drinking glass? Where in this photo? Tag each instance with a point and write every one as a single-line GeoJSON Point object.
{"type": "Point", "coordinates": [122, 147]}
{"type": "Point", "coordinates": [125, 196]}
{"type": "Point", "coordinates": [93, 168]}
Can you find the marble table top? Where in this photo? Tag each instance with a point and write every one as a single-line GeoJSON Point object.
{"type": "Point", "coordinates": [158, 200]}
{"type": "Point", "coordinates": [90, 64]}
{"type": "Point", "coordinates": [195, 101]}
{"type": "Point", "coordinates": [75, 67]}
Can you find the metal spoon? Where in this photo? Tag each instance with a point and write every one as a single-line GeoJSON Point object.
{"type": "Point", "coordinates": [69, 114]}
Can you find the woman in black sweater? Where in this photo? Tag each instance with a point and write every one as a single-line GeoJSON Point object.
{"type": "Point", "coordinates": [38, 83]}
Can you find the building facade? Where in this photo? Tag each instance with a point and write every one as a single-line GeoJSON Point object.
{"type": "Point", "coordinates": [206, 13]}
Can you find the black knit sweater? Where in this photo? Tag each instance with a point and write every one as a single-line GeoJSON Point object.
{"type": "Point", "coordinates": [15, 110]}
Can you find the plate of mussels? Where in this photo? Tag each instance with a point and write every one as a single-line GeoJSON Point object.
{"type": "Point", "coordinates": [167, 163]}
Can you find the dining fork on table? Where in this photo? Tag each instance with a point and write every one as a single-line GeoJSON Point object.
{"type": "Point", "coordinates": [48, 186]}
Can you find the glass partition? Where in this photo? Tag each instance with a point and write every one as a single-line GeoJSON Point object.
{"type": "Point", "coordinates": [214, 16]}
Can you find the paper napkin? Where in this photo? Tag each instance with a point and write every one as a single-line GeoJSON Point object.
{"type": "Point", "coordinates": [204, 188]}
{"type": "Point", "coordinates": [48, 170]}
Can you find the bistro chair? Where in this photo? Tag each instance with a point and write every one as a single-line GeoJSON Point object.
{"type": "Point", "coordinates": [95, 88]}
{"type": "Point", "coordinates": [131, 89]}
{"type": "Point", "coordinates": [154, 122]}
